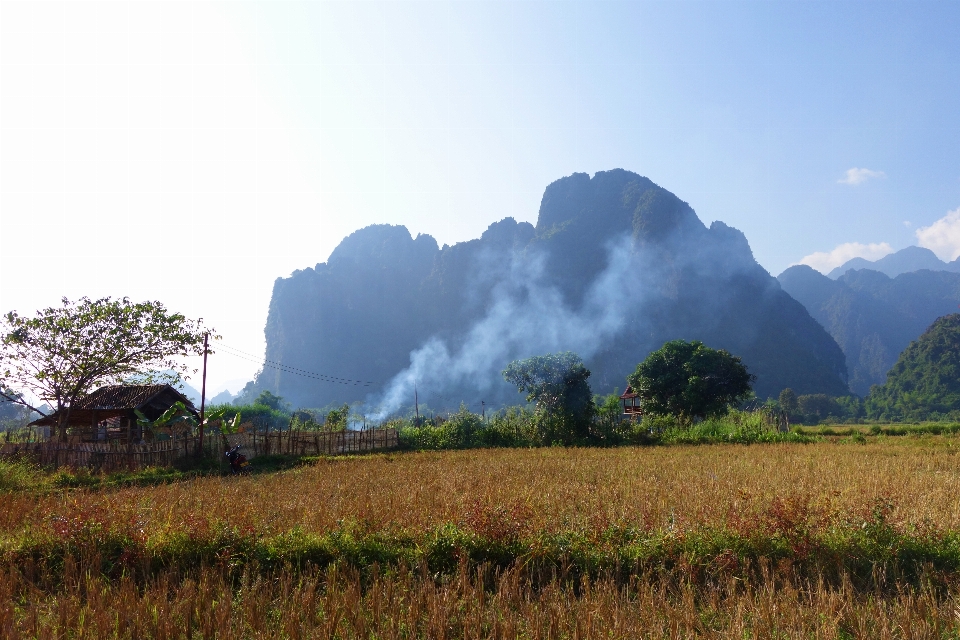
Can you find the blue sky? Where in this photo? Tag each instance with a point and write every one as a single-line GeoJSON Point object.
{"type": "Point", "coordinates": [240, 141]}
{"type": "Point", "coordinates": [457, 113]}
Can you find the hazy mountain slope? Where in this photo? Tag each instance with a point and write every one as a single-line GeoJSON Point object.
{"type": "Point", "coordinates": [871, 316]}
{"type": "Point", "coordinates": [615, 266]}
{"type": "Point", "coordinates": [925, 379]}
{"type": "Point", "coordinates": [701, 283]}
{"type": "Point", "coordinates": [341, 318]}
{"type": "Point", "coordinates": [903, 261]}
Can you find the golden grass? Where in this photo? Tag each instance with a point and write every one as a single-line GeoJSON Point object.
{"type": "Point", "coordinates": [552, 489]}
{"type": "Point", "coordinates": [337, 603]}
{"type": "Point", "coordinates": [499, 494]}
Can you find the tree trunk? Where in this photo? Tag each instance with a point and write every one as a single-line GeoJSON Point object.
{"type": "Point", "coordinates": [63, 423]}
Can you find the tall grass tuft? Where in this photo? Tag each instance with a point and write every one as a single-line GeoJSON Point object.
{"type": "Point", "coordinates": [19, 475]}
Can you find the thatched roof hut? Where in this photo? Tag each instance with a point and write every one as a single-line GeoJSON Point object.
{"type": "Point", "coordinates": [109, 412]}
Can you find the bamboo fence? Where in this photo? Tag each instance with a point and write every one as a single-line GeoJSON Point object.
{"type": "Point", "coordinates": [305, 443]}
{"type": "Point", "coordinates": [112, 456]}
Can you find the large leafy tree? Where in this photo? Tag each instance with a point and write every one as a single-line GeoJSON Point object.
{"type": "Point", "coordinates": [690, 380]}
{"type": "Point", "coordinates": [62, 353]}
{"type": "Point", "coordinates": [557, 382]}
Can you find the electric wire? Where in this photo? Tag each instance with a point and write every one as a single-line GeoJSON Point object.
{"type": "Point", "coordinates": [296, 371]}
{"type": "Point", "coordinates": [243, 355]}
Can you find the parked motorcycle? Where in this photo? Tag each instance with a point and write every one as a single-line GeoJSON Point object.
{"type": "Point", "coordinates": [238, 462]}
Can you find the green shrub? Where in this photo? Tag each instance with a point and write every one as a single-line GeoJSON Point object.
{"type": "Point", "coordinates": [520, 427]}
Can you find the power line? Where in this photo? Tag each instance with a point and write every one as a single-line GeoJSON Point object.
{"type": "Point", "coordinates": [243, 355]}
{"type": "Point", "coordinates": [291, 370]}
{"type": "Point", "coordinates": [295, 369]}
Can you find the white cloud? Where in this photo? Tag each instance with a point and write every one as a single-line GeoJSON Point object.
{"type": "Point", "coordinates": [943, 236]}
{"type": "Point", "coordinates": [826, 261]}
{"type": "Point", "coordinates": [857, 176]}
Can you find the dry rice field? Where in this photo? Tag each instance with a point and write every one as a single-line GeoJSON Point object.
{"type": "Point", "coordinates": [823, 540]}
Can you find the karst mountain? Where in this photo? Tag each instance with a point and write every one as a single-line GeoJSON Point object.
{"type": "Point", "coordinates": [614, 267]}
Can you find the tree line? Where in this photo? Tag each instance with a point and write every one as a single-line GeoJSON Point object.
{"type": "Point", "coordinates": [64, 352]}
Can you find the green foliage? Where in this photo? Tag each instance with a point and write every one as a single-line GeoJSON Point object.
{"type": "Point", "coordinates": [273, 401]}
{"type": "Point", "coordinates": [818, 407]}
{"type": "Point", "coordinates": [690, 380]}
{"type": "Point", "coordinates": [520, 427]}
{"type": "Point", "coordinates": [871, 316]}
{"type": "Point", "coordinates": [740, 427]}
{"type": "Point", "coordinates": [512, 427]}
{"type": "Point", "coordinates": [925, 381]}
{"type": "Point", "coordinates": [337, 418]}
{"type": "Point", "coordinates": [608, 427]}
{"type": "Point", "coordinates": [217, 415]}
{"type": "Point", "coordinates": [461, 430]}
{"type": "Point", "coordinates": [608, 404]}
{"type": "Point", "coordinates": [18, 475]}
{"type": "Point", "coordinates": [788, 401]}
{"type": "Point", "coordinates": [269, 412]}
{"type": "Point", "coordinates": [557, 382]}
{"type": "Point", "coordinates": [175, 418]}
{"type": "Point", "coordinates": [64, 352]}
{"type": "Point", "coordinates": [231, 426]}
{"type": "Point", "coordinates": [177, 414]}
{"type": "Point", "coordinates": [264, 417]}
{"type": "Point", "coordinates": [851, 408]}
{"type": "Point", "coordinates": [305, 420]}
{"type": "Point", "coordinates": [24, 476]}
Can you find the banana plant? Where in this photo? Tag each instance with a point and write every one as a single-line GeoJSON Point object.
{"type": "Point", "coordinates": [176, 415]}
{"type": "Point", "coordinates": [220, 414]}
{"type": "Point", "coordinates": [232, 426]}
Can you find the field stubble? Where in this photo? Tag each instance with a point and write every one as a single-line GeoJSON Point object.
{"type": "Point", "coordinates": [795, 540]}
{"type": "Point", "coordinates": [556, 489]}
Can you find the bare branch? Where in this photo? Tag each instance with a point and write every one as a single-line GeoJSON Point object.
{"type": "Point", "coordinates": [20, 401]}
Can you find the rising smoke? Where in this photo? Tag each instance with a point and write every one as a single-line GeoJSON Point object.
{"type": "Point", "coordinates": [525, 317]}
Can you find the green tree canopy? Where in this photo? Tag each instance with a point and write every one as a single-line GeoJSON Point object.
{"type": "Point", "coordinates": [788, 400]}
{"type": "Point", "coordinates": [275, 402]}
{"type": "Point", "coordinates": [63, 353]}
{"type": "Point", "coordinates": [817, 406]}
{"type": "Point", "coordinates": [336, 419]}
{"type": "Point", "coordinates": [690, 380]}
{"type": "Point", "coordinates": [557, 382]}
{"type": "Point", "coordinates": [925, 379]}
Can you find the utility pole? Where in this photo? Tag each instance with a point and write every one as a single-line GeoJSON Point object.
{"type": "Point", "coordinates": [483, 411]}
{"type": "Point", "coordinates": [203, 390]}
{"type": "Point", "coordinates": [416, 402]}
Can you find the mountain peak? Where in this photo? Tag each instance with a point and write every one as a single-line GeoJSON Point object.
{"type": "Point", "coordinates": [904, 261]}
{"type": "Point", "coordinates": [615, 202]}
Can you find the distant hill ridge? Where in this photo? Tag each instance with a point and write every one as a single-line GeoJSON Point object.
{"type": "Point", "coordinates": [925, 381]}
{"type": "Point", "coordinates": [615, 266]}
{"type": "Point", "coordinates": [903, 261]}
{"type": "Point", "coordinates": [872, 316]}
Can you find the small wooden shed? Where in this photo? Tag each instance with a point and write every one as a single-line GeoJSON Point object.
{"type": "Point", "coordinates": [630, 401]}
{"type": "Point", "coordinates": [108, 414]}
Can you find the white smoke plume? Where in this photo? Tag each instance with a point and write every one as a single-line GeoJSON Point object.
{"type": "Point", "coordinates": [526, 317]}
